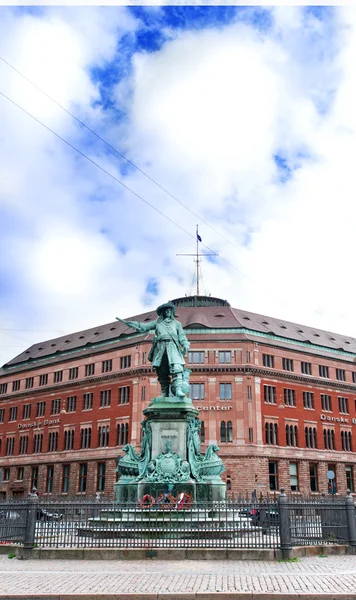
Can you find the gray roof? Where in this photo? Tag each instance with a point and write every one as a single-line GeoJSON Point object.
{"type": "Point", "coordinates": [203, 317]}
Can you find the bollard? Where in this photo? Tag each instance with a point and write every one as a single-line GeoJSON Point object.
{"type": "Point", "coordinates": [284, 525]}
{"type": "Point", "coordinates": [30, 529]}
{"type": "Point", "coordinates": [351, 518]}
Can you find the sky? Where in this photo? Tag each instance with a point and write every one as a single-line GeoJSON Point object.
{"type": "Point", "coordinates": [238, 119]}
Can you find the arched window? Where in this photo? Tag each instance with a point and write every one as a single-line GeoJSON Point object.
{"type": "Point", "coordinates": [222, 431]}
{"type": "Point", "coordinates": [229, 431]}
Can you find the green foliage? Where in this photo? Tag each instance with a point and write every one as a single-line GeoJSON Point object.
{"type": "Point", "coordinates": [295, 559]}
{"type": "Point", "coordinates": [11, 555]}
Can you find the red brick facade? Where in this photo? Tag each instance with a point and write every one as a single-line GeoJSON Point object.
{"type": "Point", "coordinates": [259, 395]}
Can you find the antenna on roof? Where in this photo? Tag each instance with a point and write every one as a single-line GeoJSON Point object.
{"type": "Point", "coordinates": [197, 260]}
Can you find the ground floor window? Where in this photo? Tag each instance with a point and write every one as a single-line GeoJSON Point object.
{"type": "Point", "coordinates": [83, 474]}
{"type": "Point", "coordinates": [273, 476]}
{"type": "Point", "coordinates": [34, 478]}
{"type": "Point", "coordinates": [332, 483]}
{"type": "Point", "coordinates": [313, 474]}
{"type": "Point", "coordinates": [293, 473]}
{"type": "Point", "coordinates": [49, 480]}
{"type": "Point", "coordinates": [101, 477]}
{"type": "Point", "coordinates": [350, 479]}
{"type": "Point", "coordinates": [65, 479]}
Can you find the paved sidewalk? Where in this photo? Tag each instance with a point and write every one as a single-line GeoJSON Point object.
{"type": "Point", "coordinates": [309, 578]}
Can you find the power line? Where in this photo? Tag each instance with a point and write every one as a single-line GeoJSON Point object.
{"type": "Point", "coordinates": [130, 162]}
{"type": "Point", "coordinates": [93, 162]}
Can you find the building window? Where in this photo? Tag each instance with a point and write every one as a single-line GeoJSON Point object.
{"type": "Point", "coordinates": [248, 356]}
{"type": "Point", "coordinates": [323, 371]}
{"type": "Point", "coordinates": [225, 391]}
{"type": "Point", "coordinates": [106, 366]}
{"type": "Point", "coordinates": [37, 443]}
{"type": "Point", "coordinates": [144, 357]}
{"type": "Point", "coordinates": [346, 441]}
{"type": "Point", "coordinates": [343, 405]}
{"type": "Point", "coordinates": [34, 478]}
{"type": "Point", "coordinates": [308, 399]}
{"type": "Point", "coordinates": [57, 376]}
{"type": "Point", "coordinates": [85, 437]}
{"type": "Point", "coordinates": [26, 411]}
{"type": "Point", "coordinates": [269, 394]}
{"type": "Point", "coordinates": [6, 474]}
{"type": "Point", "coordinates": [249, 392]}
{"type": "Point", "coordinates": [143, 393]}
{"type": "Point", "coordinates": [89, 369]}
{"type": "Point", "coordinates": [350, 479]}
{"type": "Point", "coordinates": [268, 360]}
{"type": "Point", "coordinates": [65, 479]}
{"type": "Point", "coordinates": [20, 473]}
{"type": "Point", "coordinates": [43, 379]}
{"type": "Point", "coordinates": [313, 477]}
{"type": "Point", "coordinates": [100, 486]}
{"type": "Point", "coordinates": [225, 357]}
{"type": "Point", "coordinates": [125, 362]}
{"type": "Point", "coordinates": [222, 431]}
{"type": "Point", "coordinates": [202, 431]}
{"type": "Point", "coordinates": [122, 434]}
{"type": "Point", "coordinates": [332, 485]}
{"type": "Point", "coordinates": [124, 394]}
{"type": "Point", "coordinates": [23, 444]}
{"type": "Point", "coordinates": [103, 436]}
{"type": "Point", "coordinates": [53, 441]}
{"type": "Point", "coordinates": [229, 432]}
{"type": "Point", "coordinates": [49, 480]}
{"type": "Point", "coordinates": [196, 391]}
{"type": "Point", "coordinates": [3, 388]}
{"type": "Point", "coordinates": [196, 358]}
{"type": "Point", "coordinates": [83, 474]}
{"type": "Point", "coordinates": [292, 435]}
{"type": "Point", "coordinates": [306, 368]}
{"type": "Point", "coordinates": [88, 401]}
{"type": "Point", "coordinates": [29, 383]}
{"type": "Point", "coordinates": [68, 439]}
{"type": "Point", "coordinates": [310, 437]}
{"type": "Point", "coordinates": [73, 373]}
{"type": "Point", "coordinates": [56, 406]}
{"type": "Point", "coordinates": [2, 415]}
{"type": "Point", "coordinates": [10, 444]}
{"type": "Point", "coordinates": [273, 476]}
{"type": "Point", "coordinates": [250, 435]}
{"type": "Point", "coordinates": [271, 433]}
{"type": "Point", "coordinates": [329, 439]}
{"type": "Point", "coordinates": [287, 364]}
{"type": "Point", "coordinates": [13, 413]}
{"type": "Point", "coordinates": [289, 397]}
{"type": "Point", "coordinates": [341, 374]}
{"type": "Point", "coordinates": [293, 474]}
{"type": "Point", "coordinates": [105, 398]}
{"type": "Point", "coordinates": [354, 376]}
{"type": "Point", "coordinates": [71, 403]}
{"type": "Point", "coordinates": [325, 402]}
{"type": "Point", "coordinates": [16, 385]}
{"type": "Point", "coordinates": [41, 407]}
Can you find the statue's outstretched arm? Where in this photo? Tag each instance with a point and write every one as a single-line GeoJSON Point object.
{"type": "Point", "coordinates": [142, 327]}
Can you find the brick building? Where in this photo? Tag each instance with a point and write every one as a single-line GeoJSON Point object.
{"type": "Point", "coordinates": [278, 398]}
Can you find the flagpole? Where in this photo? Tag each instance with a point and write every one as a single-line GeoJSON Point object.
{"type": "Point", "coordinates": [197, 264]}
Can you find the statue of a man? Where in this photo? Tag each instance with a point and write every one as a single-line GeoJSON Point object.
{"type": "Point", "coordinates": [169, 346]}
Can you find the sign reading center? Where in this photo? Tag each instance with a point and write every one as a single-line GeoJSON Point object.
{"type": "Point", "coordinates": [217, 408]}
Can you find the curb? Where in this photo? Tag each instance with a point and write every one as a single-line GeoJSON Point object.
{"type": "Point", "coordinates": [182, 596]}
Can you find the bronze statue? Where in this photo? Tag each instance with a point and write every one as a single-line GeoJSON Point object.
{"type": "Point", "coordinates": [169, 346]}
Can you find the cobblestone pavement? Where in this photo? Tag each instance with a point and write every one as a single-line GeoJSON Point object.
{"type": "Point", "coordinates": [309, 577]}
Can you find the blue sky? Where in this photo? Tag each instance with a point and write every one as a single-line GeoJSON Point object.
{"type": "Point", "coordinates": [243, 114]}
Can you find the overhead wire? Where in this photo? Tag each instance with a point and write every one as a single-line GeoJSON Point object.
{"type": "Point", "coordinates": [93, 162]}
{"type": "Point", "coordinates": [130, 162]}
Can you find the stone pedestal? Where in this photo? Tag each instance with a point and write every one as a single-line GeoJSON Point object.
{"type": "Point", "coordinates": [170, 461]}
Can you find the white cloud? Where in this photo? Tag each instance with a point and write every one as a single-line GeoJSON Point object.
{"type": "Point", "coordinates": [205, 116]}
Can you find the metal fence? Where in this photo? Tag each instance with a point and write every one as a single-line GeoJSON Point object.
{"type": "Point", "coordinates": [238, 523]}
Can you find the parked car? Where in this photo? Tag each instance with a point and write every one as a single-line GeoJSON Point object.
{"type": "Point", "coordinates": [46, 515]}
{"type": "Point", "coordinates": [266, 518]}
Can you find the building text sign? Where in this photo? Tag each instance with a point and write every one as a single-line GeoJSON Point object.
{"type": "Point", "coordinates": [337, 419]}
{"type": "Point", "coordinates": [38, 423]}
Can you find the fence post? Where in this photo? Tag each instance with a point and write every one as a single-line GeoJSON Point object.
{"type": "Point", "coordinates": [284, 525]}
{"type": "Point", "coordinates": [351, 518]}
{"type": "Point", "coordinates": [30, 527]}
